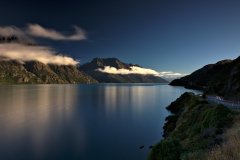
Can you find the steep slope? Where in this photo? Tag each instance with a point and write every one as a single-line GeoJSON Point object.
{"type": "Point", "coordinates": [222, 78]}
{"type": "Point", "coordinates": [71, 74]}
{"type": "Point", "coordinates": [192, 130]}
{"type": "Point", "coordinates": [92, 67]}
{"type": "Point", "coordinates": [15, 72]}
{"type": "Point", "coordinates": [37, 72]}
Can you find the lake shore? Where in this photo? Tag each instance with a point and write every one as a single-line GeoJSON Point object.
{"type": "Point", "coordinates": [194, 129]}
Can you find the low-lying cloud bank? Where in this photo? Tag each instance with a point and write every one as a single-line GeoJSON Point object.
{"type": "Point", "coordinates": [139, 70]}
{"type": "Point", "coordinates": [16, 42]}
{"type": "Point", "coordinates": [36, 30]}
{"type": "Point", "coordinates": [132, 70]}
{"type": "Point", "coordinates": [22, 53]}
{"type": "Point", "coordinates": [170, 74]}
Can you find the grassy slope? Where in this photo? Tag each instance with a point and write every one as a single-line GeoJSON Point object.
{"type": "Point", "coordinates": [194, 128]}
{"type": "Point", "coordinates": [230, 148]}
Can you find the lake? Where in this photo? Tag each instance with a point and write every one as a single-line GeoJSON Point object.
{"type": "Point", "coordinates": [82, 122]}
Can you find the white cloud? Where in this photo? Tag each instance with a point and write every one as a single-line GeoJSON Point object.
{"type": "Point", "coordinates": [10, 30]}
{"type": "Point", "coordinates": [22, 53]}
{"type": "Point", "coordinates": [7, 31]}
{"type": "Point", "coordinates": [139, 70]}
{"type": "Point", "coordinates": [170, 74]}
{"type": "Point", "coordinates": [38, 31]}
{"type": "Point", "coordinates": [132, 70]}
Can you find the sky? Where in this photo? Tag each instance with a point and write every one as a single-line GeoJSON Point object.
{"type": "Point", "coordinates": [165, 35]}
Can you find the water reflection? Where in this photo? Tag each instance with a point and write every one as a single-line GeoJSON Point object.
{"type": "Point", "coordinates": [85, 122]}
{"type": "Point", "coordinates": [121, 97]}
{"type": "Point", "coordinates": [34, 113]}
{"type": "Point", "coordinates": [19, 102]}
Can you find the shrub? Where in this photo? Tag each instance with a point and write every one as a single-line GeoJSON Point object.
{"type": "Point", "coordinates": [194, 127]}
{"type": "Point", "coordinates": [168, 149]}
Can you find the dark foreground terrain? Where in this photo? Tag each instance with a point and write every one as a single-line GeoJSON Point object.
{"type": "Point", "coordinates": [194, 130]}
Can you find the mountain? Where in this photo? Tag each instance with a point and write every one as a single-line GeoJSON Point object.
{"type": "Point", "coordinates": [92, 68]}
{"type": "Point", "coordinates": [36, 72]}
{"type": "Point", "coordinates": [222, 78]}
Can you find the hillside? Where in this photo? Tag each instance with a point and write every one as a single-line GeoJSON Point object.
{"type": "Point", "coordinates": [222, 78]}
{"type": "Point", "coordinates": [14, 72]}
{"type": "Point", "coordinates": [92, 67]}
{"type": "Point", "coordinates": [193, 130]}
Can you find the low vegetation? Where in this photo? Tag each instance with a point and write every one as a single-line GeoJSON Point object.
{"type": "Point", "coordinates": [195, 128]}
{"type": "Point", "coordinates": [230, 148]}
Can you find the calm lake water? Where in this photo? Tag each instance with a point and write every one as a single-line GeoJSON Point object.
{"type": "Point", "coordinates": [82, 122]}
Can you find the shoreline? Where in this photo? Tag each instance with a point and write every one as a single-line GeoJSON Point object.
{"type": "Point", "coordinates": [193, 129]}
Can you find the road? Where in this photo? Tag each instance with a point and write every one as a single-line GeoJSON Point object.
{"type": "Point", "coordinates": [219, 100]}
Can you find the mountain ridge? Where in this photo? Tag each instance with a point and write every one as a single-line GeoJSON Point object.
{"type": "Point", "coordinates": [221, 78]}
{"type": "Point", "coordinates": [32, 72]}
{"type": "Point", "coordinates": [102, 62]}
{"type": "Point", "coordinates": [92, 69]}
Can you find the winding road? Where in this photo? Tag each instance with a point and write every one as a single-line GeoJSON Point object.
{"type": "Point", "coordinates": [227, 103]}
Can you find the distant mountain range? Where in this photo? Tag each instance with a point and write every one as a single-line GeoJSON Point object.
{"type": "Point", "coordinates": [14, 72]}
{"type": "Point", "coordinates": [222, 78]}
{"type": "Point", "coordinates": [92, 69]}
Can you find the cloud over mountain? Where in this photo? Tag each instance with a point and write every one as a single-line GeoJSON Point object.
{"type": "Point", "coordinates": [14, 44]}
{"type": "Point", "coordinates": [138, 70]}
{"type": "Point", "coordinates": [170, 74]}
{"type": "Point", "coordinates": [22, 53]}
{"type": "Point", "coordinates": [132, 70]}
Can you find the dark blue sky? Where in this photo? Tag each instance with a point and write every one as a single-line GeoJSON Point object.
{"type": "Point", "coordinates": [166, 35]}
